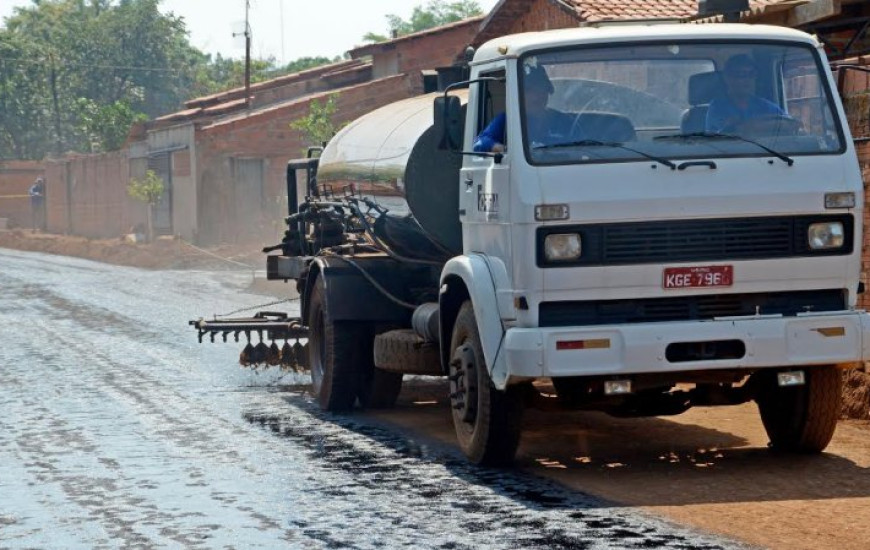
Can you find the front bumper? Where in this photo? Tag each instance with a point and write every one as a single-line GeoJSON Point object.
{"type": "Point", "coordinates": [771, 341]}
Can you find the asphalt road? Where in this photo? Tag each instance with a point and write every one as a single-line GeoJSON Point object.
{"type": "Point", "coordinates": [119, 430]}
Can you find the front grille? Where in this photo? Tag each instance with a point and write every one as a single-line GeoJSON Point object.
{"type": "Point", "coordinates": [687, 308]}
{"type": "Point", "coordinates": [696, 240]}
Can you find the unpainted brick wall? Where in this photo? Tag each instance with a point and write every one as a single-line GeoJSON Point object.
{"type": "Point", "coordinates": [537, 15]}
{"type": "Point", "coordinates": [438, 50]}
{"type": "Point", "coordinates": [87, 195]}
{"type": "Point", "coordinates": [856, 102]}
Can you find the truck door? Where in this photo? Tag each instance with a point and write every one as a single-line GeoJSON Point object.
{"type": "Point", "coordinates": [484, 182]}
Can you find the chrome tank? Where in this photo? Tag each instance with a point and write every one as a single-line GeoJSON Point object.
{"type": "Point", "coordinates": [391, 155]}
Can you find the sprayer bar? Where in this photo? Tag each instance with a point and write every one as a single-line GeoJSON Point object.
{"type": "Point", "coordinates": [274, 328]}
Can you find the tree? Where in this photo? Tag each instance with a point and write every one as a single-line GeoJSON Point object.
{"type": "Point", "coordinates": [107, 126]}
{"type": "Point", "coordinates": [61, 58]}
{"type": "Point", "coordinates": [304, 63]}
{"type": "Point", "coordinates": [434, 14]}
{"type": "Point", "coordinates": [317, 126]}
{"type": "Point", "coordinates": [75, 74]}
{"type": "Point", "coordinates": [147, 190]}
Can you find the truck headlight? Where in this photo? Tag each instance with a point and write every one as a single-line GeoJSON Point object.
{"type": "Point", "coordinates": [562, 247]}
{"type": "Point", "coordinates": [825, 236]}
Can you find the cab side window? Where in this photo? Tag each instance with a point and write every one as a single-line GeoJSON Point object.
{"type": "Point", "coordinates": [492, 100]}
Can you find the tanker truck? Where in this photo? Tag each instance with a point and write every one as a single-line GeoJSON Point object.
{"type": "Point", "coordinates": [632, 260]}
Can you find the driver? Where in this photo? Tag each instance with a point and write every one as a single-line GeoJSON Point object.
{"type": "Point", "coordinates": [739, 103]}
{"type": "Point", "coordinates": [543, 124]}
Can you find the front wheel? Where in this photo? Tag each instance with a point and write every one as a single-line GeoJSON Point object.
{"type": "Point", "coordinates": [487, 421]}
{"type": "Point", "coordinates": [801, 418]}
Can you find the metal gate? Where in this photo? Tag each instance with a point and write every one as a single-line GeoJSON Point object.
{"type": "Point", "coordinates": [162, 165]}
{"type": "Point", "coordinates": [248, 196]}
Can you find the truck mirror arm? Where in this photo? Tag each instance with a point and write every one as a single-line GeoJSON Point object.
{"type": "Point", "coordinates": [465, 83]}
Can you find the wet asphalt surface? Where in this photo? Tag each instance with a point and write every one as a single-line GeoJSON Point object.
{"type": "Point", "coordinates": [119, 430]}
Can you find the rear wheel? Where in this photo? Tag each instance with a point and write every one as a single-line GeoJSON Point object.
{"type": "Point", "coordinates": [487, 421]}
{"type": "Point", "coordinates": [801, 418]}
{"type": "Point", "coordinates": [334, 354]}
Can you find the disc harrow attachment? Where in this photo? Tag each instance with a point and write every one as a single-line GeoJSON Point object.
{"type": "Point", "coordinates": [263, 333]}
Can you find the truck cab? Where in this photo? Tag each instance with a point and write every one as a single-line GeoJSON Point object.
{"type": "Point", "coordinates": [690, 214]}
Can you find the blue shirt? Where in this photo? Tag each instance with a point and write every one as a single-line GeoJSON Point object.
{"type": "Point", "coordinates": [552, 127]}
{"type": "Point", "coordinates": [723, 112]}
{"type": "Point", "coordinates": [492, 134]}
{"type": "Point", "coordinates": [37, 193]}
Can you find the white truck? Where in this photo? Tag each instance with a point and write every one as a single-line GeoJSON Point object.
{"type": "Point", "coordinates": [635, 260]}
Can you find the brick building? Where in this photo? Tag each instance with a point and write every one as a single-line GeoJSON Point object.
{"type": "Point", "coordinates": [223, 159]}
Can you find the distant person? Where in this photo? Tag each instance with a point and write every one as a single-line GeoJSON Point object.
{"type": "Point", "coordinates": [739, 103]}
{"type": "Point", "coordinates": [37, 203]}
{"type": "Point", "coordinates": [543, 123]}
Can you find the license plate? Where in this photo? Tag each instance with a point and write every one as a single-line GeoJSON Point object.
{"type": "Point", "coordinates": [698, 277]}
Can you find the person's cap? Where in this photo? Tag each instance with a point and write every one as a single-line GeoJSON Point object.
{"type": "Point", "coordinates": [739, 64]}
{"type": "Point", "coordinates": [536, 77]}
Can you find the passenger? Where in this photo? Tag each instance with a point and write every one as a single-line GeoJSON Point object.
{"type": "Point", "coordinates": [542, 122]}
{"type": "Point", "coordinates": [739, 103]}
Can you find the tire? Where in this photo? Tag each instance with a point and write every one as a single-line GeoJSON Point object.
{"type": "Point", "coordinates": [401, 350]}
{"type": "Point", "coordinates": [333, 355]}
{"type": "Point", "coordinates": [801, 419]}
{"type": "Point", "coordinates": [488, 422]}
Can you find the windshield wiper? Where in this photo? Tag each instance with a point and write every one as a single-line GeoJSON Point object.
{"type": "Point", "coordinates": [593, 142]}
{"type": "Point", "coordinates": [715, 135]}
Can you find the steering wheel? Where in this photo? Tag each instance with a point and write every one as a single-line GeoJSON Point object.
{"type": "Point", "coordinates": [766, 125]}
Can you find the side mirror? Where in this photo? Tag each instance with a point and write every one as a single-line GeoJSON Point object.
{"type": "Point", "coordinates": [449, 122]}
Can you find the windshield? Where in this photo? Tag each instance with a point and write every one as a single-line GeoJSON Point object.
{"type": "Point", "coordinates": [676, 101]}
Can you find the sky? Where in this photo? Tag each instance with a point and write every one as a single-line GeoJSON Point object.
{"type": "Point", "coordinates": [283, 29]}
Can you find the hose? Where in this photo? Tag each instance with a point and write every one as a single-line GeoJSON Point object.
{"type": "Point", "coordinates": [375, 284]}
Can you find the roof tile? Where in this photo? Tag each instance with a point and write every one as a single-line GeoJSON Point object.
{"type": "Point", "coordinates": [603, 10]}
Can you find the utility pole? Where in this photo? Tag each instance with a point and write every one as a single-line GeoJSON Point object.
{"type": "Point", "coordinates": [53, 83]}
{"type": "Point", "coordinates": [247, 55]}
{"type": "Point", "coordinates": [281, 11]}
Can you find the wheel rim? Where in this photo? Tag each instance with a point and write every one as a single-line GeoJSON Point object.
{"type": "Point", "coordinates": [318, 352]}
{"type": "Point", "coordinates": [463, 384]}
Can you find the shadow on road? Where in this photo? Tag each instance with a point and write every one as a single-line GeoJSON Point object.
{"type": "Point", "coordinates": [641, 461]}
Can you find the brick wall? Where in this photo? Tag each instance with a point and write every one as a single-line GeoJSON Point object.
{"type": "Point", "coordinates": [856, 101]}
{"type": "Point", "coordinates": [438, 50]}
{"type": "Point", "coordinates": [864, 161]}
{"type": "Point", "coordinates": [16, 177]}
{"type": "Point", "coordinates": [542, 15]}
{"type": "Point", "coordinates": [87, 195]}
{"type": "Point", "coordinates": [516, 16]}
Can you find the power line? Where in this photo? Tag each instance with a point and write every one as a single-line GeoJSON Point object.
{"type": "Point", "coordinates": [90, 66]}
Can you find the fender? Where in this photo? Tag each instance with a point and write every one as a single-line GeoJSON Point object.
{"type": "Point", "coordinates": [478, 278]}
{"type": "Point", "coordinates": [350, 297]}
